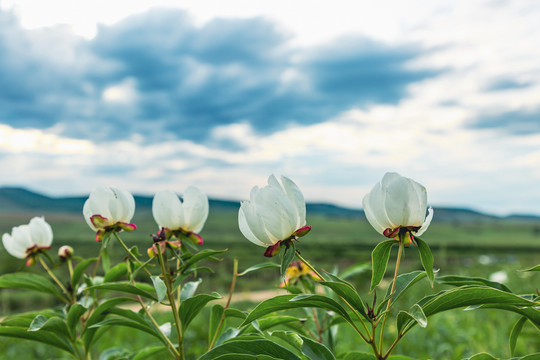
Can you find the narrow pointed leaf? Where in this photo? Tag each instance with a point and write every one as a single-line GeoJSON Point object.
{"type": "Point", "coordinates": [379, 262]}
{"type": "Point", "coordinates": [44, 337]}
{"type": "Point", "coordinates": [288, 256]}
{"type": "Point", "coordinates": [53, 324]}
{"type": "Point", "coordinates": [464, 280]}
{"type": "Point", "coordinates": [259, 267]}
{"type": "Point", "coordinates": [403, 283]}
{"type": "Point", "coordinates": [427, 258]}
{"type": "Point", "coordinates": [200, 256]}
{"type": "Point", "coordinates": [215, 317]}
{"type": "Point", "coordinates": [348, 293]}
{"type": "Point", "coordinates": [147, 352]}
{"type": "Point", "coordinates": [125, 287]}
{"type": "Point", "coordinates": [28, 281]}
{"type": "Point", "coordinates": [78, 271]}
{"type": "Point", "coordinates": [514, 334]}
{"type": "Point", "coordinates": [188, 290]}
{"type": "Point", "coordinates": [116, 272]}
{"type": "Point", "coordinates": [315, 351]}
{"type": "Point", "coordinates": [534, 268]}
{"type": "Point", "coordinates": [74, 314]}
{"type": "Point", "coordinates": [160, 287]}
{"type": "Point", "coordinates": [250, 347]}
{"type": "Point", "coordinates": [284, 302]}
{"type": "Point", "coordinates": [192, 306]}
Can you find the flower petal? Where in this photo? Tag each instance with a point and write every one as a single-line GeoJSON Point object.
{"type": "Point", "coordinates": [195, 209]}
{"type": "Point", "coordinates": [40, 232]}
{"type": "Point", "coordinates": [167, 210]}
{"type": "Point", "coordinates": [297, 199]}
{"type": "Point", "coordinates": [255, 225]}
{"type": "Point", "coordinates": [13, 247]}
{"type": "Point", "coordinates": [426, 223]}
{"type": "Point", "coordinates": [373, 204]}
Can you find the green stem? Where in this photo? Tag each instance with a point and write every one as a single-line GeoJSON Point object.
{"type": "Point", "coordinates": [231, 290]}
{"type": "Point", "coordinates": [58, 282]}
{"type": "Point", "coordinates": [139, 262]}
{"type": "Point", "coordinates": [172, 303]}
{"type": "Point", "coordinates": [396, 271]}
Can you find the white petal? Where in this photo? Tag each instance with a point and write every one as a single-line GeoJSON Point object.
{"type": "Point", "coordinates": [40, 232]}
{"type": "Point", "coordinates": [121, 205]}
{"type": "Point", "coordinates": [88, 213]}
{"type": "Point", "coordinates": [195, 209]}
{"type": "Point", "coordinates": [167, 210]}
{"type": "Point", "coordinates": [397, 201]}
{"type": "Point", "coordinates": [276, 212]}
{"type": "Point", "coordinates": [297, 199]}
{"type": "Point", "coordinates": [245, 230]}
{"type": "Point", "coordinates": [376, 211]}
{"type": "Point", "coordinates": [256, 225]}
{"type": "Point", "coordinates": [426, 223]}
{"type": "Point", "coordinates": [418, 203]}
{"type": "Point", "coordinates": [368, 211]}
{"type": "Point", "coordinates": [13, 247]}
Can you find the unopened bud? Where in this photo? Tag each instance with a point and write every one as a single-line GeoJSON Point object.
{"type": "Point", "coordinates": [65, 252]}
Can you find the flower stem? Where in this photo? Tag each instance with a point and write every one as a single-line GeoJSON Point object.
{"type": "Point", "coordinates": [231, 290]}
{"type": "Point", "coordinates": [172, 303]}
{"type": "Point", "coordinates": [396, 271]}
{"type": "Point", "coordinates": [131, 254]}
{"type": "Point", "coordinates": [58, 282]}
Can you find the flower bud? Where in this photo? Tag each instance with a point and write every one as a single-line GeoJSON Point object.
{"type": "Point", "coordinates": [65, 252]}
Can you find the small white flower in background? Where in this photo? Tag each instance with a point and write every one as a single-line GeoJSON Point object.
{"type": "Point", "coordinates": [109, 209]}
{"type": "Point", "coordinates": [26, 241]}
{"type": "Point", "coordinates": [499, 276]}
{"type": "Point", "coordinates": [396, 206]}
{"type": "Point", "coordinates": [178, 218]}
{"type": "Point", "coordinates": [273, 214]}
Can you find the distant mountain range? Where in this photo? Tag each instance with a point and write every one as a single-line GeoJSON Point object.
{"type": "Point", "coordinates": [20, 200]}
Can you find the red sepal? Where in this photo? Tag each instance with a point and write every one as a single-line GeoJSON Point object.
{"type": "Point", "coordinates": [273, 250]}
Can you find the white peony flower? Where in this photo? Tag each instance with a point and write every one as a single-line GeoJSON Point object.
{"type": "Point", "coordinates": [273, 214]}
{"type": "Point", "coordinates": [109, 209]}
{"type": "Point", "coordinates": [185, 218]}
{"type": "Point", "coordinates": [397, 206]}
{"type": "Point", "coordinates": [26, 241]}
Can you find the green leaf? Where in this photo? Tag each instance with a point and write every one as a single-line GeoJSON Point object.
{"type": "Point", "coordinates": [44, 337]}
{"type": "Point", "coordinates": [355, 355]}
{"type": "Point", "coordinates": [116, 272]}
{"type": "Point", "coordinates": [215, 317]}
{"type": "Point", "coordinates": [259, 267]}
{"type": "Point", "coordinates": [288, 256]}
{"type": "Point", "coordinates": [284, 302]}
{"type": "Point", "coordinates": [78, 271]}
{"type": "Point", "coordinates": [105, 259]}
{"type": "Point", "coordinates": [160, 287]}
{"type": "Point", "coordinates": [188, 290]}
{"type": "Point", "coordinates": [145, 353]}
{"type": "Point", "coordinates": [264, 324]}
{"type": "Point", "coordinates": [379, 262]}
{"type": "Point", "coordinates": [535, 356]}
{"type": "Point", "coordinates": [125, 287]}
{"type": "Point", "coordinates": [198, 257]}
{"type": "Point", "coordinates": [98, 315]}
{"type": "Point", "coordinates": [415, 314]}
{"type": "Point", "coordinates": [29, 281]}
{"type": "Point", "coordinates": [403, 283]}
{"type": "Point", "coordinates": [127, 323]}
{"type": "Point", "coordinates": [426, 257]}
{"type": "Point", "coordinates": [249, 347]}
{"type": "Point", "coordinates": [74, 314]}
{"type": "Point", "coordinates": [245, 357]}
{"type": "Point", "coordinates": [464, 280]}
{"type": "Point", "coordinates": [53, 324]}
{"type": "Point", "coordinates": [232, 312]}
{"type": "Point", "coordinates": [482, 356]}
{"type": "Point", "coordinates": [192, 306]}
{"type": "Point", "coordinates": [348, 293]}
{"type": "Point", "coordinates": [315, 351]}
{"type": "Point", "coordinates": [531, 313]}
{"type": "Point", "coordinates": [355, 270]}
{"type": "Point", "coordinates": [514, 334]}
{"type": "Point", "coordinates": [534, 268]}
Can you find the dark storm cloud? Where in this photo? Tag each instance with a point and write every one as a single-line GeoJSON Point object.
{"type": "Point", "coordinates": [190, 79]}
{"type": "Point", "coordinates": [512, 123]}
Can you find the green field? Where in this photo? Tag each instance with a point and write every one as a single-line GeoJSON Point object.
{"type": "Point", "coordinates": [474, 248]}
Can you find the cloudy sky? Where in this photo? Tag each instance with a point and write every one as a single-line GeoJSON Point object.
{"type": "Point", "coordinates": [150, 95]}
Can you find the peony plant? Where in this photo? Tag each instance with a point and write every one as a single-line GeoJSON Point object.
{"type": "Point", "coordinates": [98, 296]}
